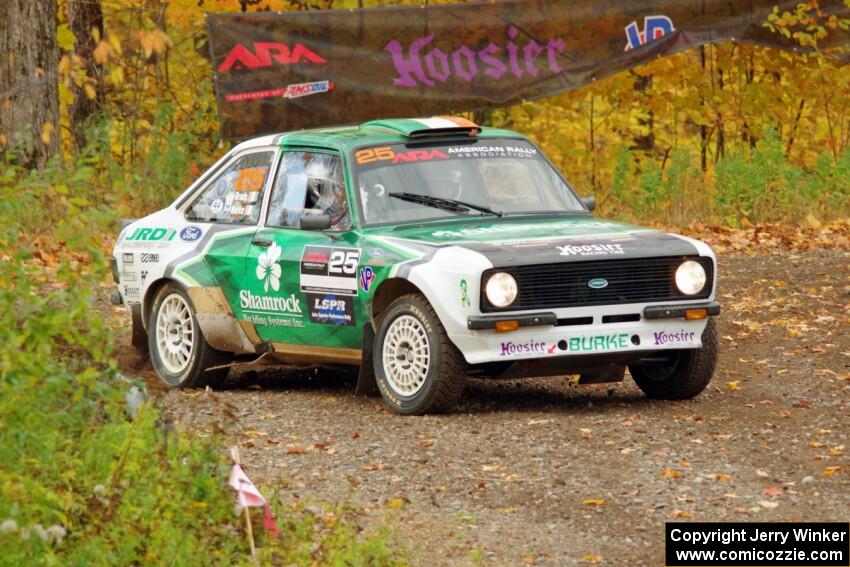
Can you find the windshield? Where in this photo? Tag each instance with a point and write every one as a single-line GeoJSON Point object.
{"type": "Point", "coordinates": [413, 182]}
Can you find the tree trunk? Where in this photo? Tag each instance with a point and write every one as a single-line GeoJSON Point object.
{"type": "Point", "coordinates": [29, 91]}
{"type": "Point", "coordinates": [83, 17]}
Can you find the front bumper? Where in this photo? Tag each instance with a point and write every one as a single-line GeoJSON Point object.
{"type": "Point", "coordinates": [549, 335]}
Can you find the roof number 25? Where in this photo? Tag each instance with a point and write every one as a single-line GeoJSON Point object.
{"type": "Point", "coordinates": [344, 262]}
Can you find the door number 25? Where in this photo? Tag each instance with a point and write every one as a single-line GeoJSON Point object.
{"type": "Point", "coordinates": [344, 262]}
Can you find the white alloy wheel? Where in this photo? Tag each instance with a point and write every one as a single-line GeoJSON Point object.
{"type": "Point", "coordinates": [406, 355]}
{"type": "Point", "coordinates": [175, 333]}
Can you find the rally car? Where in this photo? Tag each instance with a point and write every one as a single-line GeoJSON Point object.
{"type": "Point", "coordinates": [424, 252]}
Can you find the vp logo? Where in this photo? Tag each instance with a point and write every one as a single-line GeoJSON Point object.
{"type": "Point", "coordinates": [654, 27]}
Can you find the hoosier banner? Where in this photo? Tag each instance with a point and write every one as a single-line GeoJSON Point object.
{"type": "Point", "coordinates": [279, 71]}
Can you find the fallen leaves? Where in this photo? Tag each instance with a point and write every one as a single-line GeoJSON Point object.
{"type": "Point", "coordinates": [829, 471]}
{"type": "Point", "coordinates": [593, 502]}
{"type": "Point", "coordinates": [670, 474]}
{"type": "Point", "coordinates": [735, 385]}
{"type": "Point", "coordinates": [772, 491]}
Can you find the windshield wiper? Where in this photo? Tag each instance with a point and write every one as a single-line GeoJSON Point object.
{"type": "Point", "coordinates": [445, 204]}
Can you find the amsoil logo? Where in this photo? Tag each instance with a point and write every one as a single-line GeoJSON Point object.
{"type": "Point", "coordinates": [266, 55]}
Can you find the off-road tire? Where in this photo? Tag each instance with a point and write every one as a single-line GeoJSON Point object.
{"type": "Point", "coordinates": [447, 369]}
{"type": "Point", "coordinates": [689, 376]}
{"type": "Point", "coordinates": [202, 357]}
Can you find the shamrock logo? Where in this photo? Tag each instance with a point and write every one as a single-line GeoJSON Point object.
{"type": "Point", "coordinates": [268, 270]}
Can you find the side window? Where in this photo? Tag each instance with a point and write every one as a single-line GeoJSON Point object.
{"type": "Point", "coordinates": [309, 183]}
{"type": "Point", "coordinates": [236, 195]}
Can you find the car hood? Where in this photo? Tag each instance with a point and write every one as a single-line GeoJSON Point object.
{"type": "Point", "coordinates": [514, 242]}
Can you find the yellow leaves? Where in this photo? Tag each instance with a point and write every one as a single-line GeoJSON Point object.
{"type": "Point", "coordinates": [734, 386]}
{"type": "Point", "coordinates": [593, 502]}
{"type": "Point", "coordinates": [154, 42]}
{"type": "Point", "coordinates": [47, 133]}
{"type": "Point", "coordinates": [64, 67]}
{"type": "Point", "coordinates": [670, 474]}
{"type": "Point", "coordinates": [681, 514]}
{"type": "Point", "coordinates": [65, 37]}
{"type": "Point", "coordinates": [3, 140]}
{"type": "Point", "coordinates": [591, 558]}
{"type": "Point", "coordinates": [395, 503]}
{"type": "Point", "coordinates": [829, 471]}
{"type": "Point", "coordinates": [101, 52]}
{"type": "Point", "coordinates": [91, 94]}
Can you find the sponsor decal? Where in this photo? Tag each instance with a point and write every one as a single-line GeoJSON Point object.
{"type": "Point", "coordinates": [290, 91]}
{"type": "Point", "coordinates": [128, 276]}
{"type": "Point", "coordinates": [386, 153]}
{"type": "Point", "coordinates": [654, 27]}
{"type": "Point", "coordinates": [367, 276]}
{"type": "Point", "coordinates": [152, 235]}
{"type": "Point", "coordinates": [597, 283]}
{"type": "Point", "coordinates": [592, 250]}
{"type": "Point", "coordinates": [127, 258]}
{"type": "Point", "coordinates": [191, 233]}
{"type": "Point", "coordinates": [217, 206]}
{"type": "Point", "coordinates": [269, 304]}
{"type": "Point", "coordinates": [421, 64]}
{"type": "Point", "coordinates": [146, 258]}
{"type": "Point", "coordinates": [144, 274]}
{"type": "Point", "coordinates": [331, 309]}
{"type": "Point", "coordinates": [376, 252]}
{"type": "Point", "coordinates": [529, 347]}
{"type": "Point", "coordinates": [594, 343]}
{"type": "Point", "coordinates": [268, 270]}
{"type": "Point", "coordinates": [331, 270]}
{"type": "Point", "coordinates": [266, 54]}
{"type": "Point", "coordinates": [492, 152]}
{"type": "Point", "coordinates": [665, 338]}
{"type": "Point", "coordinates": [131, 294]}
{"type": "Point", "coordinates": [464, 294]}
{"type": "Point", "coordinates": [501, 229]}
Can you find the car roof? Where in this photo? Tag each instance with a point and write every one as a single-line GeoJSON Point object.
{"type": "Point", "coordinates": [387, 131]}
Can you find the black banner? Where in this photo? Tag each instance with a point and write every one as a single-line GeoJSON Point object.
{"type": "Point", "coordinates": [709, 544]}
{"type": "Point", "coordinates": [280, 71]}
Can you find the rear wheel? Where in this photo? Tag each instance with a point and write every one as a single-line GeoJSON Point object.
{"type": "Point", "coordinates": [179, 353]}
{"type": "Point", "coordinates": [418, 369]}
{"type": "Point", "coordinates": [679, 374]}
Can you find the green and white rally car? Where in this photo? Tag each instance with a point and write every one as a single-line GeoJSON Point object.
{"type": "Point", "coordinates": [422, 251]}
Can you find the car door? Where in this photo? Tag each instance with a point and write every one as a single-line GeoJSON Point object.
{"type": "Point", "coordinates": [304, 286]}
{"type": "Point", "coordinates": [227, 210]}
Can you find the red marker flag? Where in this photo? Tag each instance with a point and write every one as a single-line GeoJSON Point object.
{"type": "Point", "coordinates": [247, 496]}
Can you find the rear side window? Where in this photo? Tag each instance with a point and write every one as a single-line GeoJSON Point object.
{"type": "Point", "coordinates": [236, 195]}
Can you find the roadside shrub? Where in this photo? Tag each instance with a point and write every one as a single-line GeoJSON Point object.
{"type": "Point", "coordinates": [87, 478]}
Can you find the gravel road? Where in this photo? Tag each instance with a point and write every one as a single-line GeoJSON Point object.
{"type": "Point", "coordinates": [548, 473]}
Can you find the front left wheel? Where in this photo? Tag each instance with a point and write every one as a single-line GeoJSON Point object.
{"type": "Point", "coordinates": [417, 367]}
{"type": "Point", "coordinates": [179, 353]}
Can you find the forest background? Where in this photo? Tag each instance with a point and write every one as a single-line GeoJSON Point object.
{"type": "Point", "coordinates": [107, 111]}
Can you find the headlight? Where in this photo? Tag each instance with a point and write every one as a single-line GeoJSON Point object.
{"type": "Point", "coordinates": [690, 277]}
{"type": "Point", "coordinates": [501, 289]}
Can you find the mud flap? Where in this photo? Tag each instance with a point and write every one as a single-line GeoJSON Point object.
{"type": "Point", "coordinates": [367, 384]}
{"type": "Point", "coordinates": [138, 337]}
{"type": "Point", "coordinates": [613, 374]}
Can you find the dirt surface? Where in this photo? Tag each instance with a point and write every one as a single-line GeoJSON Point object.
{"type": "Point", "coordinates": [546, 472]}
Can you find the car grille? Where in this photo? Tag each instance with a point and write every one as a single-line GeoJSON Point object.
{"type": "Point", "coordinates": [639, 280]}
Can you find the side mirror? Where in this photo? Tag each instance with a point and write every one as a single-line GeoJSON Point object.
{"type": "Point", "coordinates": [315, 222]}
{"type": "Point", "coordinates": [589, 203]}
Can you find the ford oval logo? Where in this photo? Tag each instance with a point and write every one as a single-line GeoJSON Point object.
{"type": "Point", "coordinates": [191, 233]}
{"type": "Point", "coordinates": [597, 283]}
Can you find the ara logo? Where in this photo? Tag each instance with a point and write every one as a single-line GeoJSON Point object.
{"type": "Point", "coordinates": [265, 55]}
{"type": "Point", "coordinates": [654, 27]}
{"type": "Point", "coordinates": [191, 233]}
